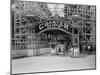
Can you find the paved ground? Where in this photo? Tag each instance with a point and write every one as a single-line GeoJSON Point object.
{"type": "Point", "coordinates": [51, 63]}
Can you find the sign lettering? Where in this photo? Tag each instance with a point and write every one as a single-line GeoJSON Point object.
{"type": "Point", "coordinates": [53, 24]}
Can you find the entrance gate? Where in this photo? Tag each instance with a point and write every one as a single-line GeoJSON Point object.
{"type": "Point", "coordinates": [63, 26]}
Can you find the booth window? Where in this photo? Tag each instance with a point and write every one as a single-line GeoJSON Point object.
{"type": "Point", "coordinates": [75, 31]}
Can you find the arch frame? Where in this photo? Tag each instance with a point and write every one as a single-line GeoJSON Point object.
{"type": "Point", "coordinates": [51, 28]}
{"type": "Point", "coordinates": [55, 29]}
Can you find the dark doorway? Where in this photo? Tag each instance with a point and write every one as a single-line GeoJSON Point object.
{"type": "Point", "coordinates": [54, 37]}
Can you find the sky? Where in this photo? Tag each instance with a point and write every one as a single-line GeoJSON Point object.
{"type": "Point", "coordinates": [56, 9]}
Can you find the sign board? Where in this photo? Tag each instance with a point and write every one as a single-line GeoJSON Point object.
{"type": "Point", "coordinates": [53, 24]}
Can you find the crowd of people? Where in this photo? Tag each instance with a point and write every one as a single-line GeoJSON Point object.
{"type": "Point", "coordinates": [63, 49]}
